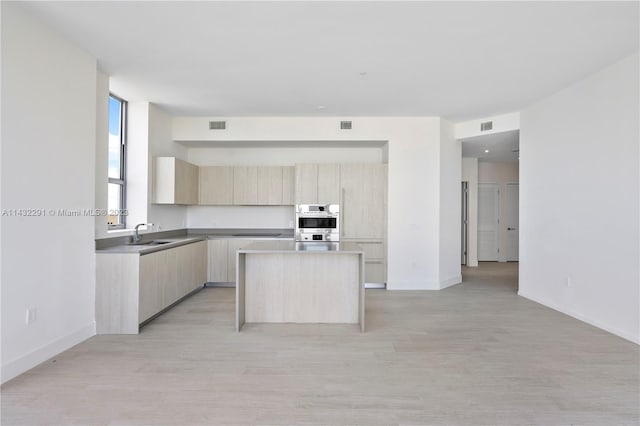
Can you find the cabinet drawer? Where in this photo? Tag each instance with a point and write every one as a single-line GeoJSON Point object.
{"type": "Point", "coordinates": [375, 272]}
{"type": "Point", "coordinates": [373, 250]}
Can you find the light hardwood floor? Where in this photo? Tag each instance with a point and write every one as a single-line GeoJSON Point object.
{"type": "Point", "coordinates": [475, 353]}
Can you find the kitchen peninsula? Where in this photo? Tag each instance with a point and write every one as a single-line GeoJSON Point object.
{"type": "Point", "coordinates": [293, 282]}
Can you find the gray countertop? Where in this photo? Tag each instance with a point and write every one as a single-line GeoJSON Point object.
{"type": "Point", "coordinates": [174, 238]}
{"type": "Point", "coordinates": [157, 245]}
{"type": "Point", "coordinates": [301, 247]}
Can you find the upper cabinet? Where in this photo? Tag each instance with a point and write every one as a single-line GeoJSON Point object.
{"type": "Point", "coordinates": [174, 181]}
{"type": "Point", "coordinates": [216, 185]}
{"type": "Point", "coordinates": [270, 186]}
{"type": "Point", "coordinates": [306, 183]}
{"type": "Point", "coordinates": [328, 183]}
{"type": "Point", "coordinates": [317, 183]}
{"type": "Point", "coordinates": [288, 185]}
{"type": "Point", "coordinates": [245, 186]}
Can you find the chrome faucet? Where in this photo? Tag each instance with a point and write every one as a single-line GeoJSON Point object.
{"type": "Point", "coordinates": [136, 238]}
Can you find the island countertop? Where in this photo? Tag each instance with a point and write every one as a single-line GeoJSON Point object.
{"type": "Point", "coordinates": [288, 246]}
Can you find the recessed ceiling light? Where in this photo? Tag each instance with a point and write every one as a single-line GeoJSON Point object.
{"type": "Point", "coordinates": [486, 150]}
{"type": "Point", "coordinates": [363, 73]}
{"type": "Point", "coordinates": [321, 107]}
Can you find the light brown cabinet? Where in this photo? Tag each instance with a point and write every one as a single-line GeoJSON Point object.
{"type": "Point", "coordinates": [288, 185]}
{"type": "Point", "coordinates": [216, 185]}
{"type": "Point", "coordinates": [131, 288]}
{"type": "Point", "coordinates": [222, 258]}
{"type": "Point", "coordinates": [375, 255]}
{"type": "Point", "coordinates": [270, 186]}
{"type": "Point", "coordinates": [174, 181]}
{"type": "Point", "coordinates": [317, 183]}
{"type": "Point", "coordinates": [218, 254]}
{"type": "Point", "coordinates": [363, 214]}
{"type": "Point", "coordinates": [363, 204]}
{"type": "Point", "coordinates": [245, 185]}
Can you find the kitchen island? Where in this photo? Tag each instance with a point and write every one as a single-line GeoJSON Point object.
{"type": "Point", "coordinates": [289, 282]}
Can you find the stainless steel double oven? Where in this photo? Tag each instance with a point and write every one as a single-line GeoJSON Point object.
{"type": "Point", "coordinates": [317, 223]}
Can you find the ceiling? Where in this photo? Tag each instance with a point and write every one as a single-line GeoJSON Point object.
{"type": "Point", "coordinates": [503, 147]}
{"type": "Point", "coordinates": [458, 60]}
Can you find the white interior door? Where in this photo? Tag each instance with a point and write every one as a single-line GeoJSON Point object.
{"type": "Point", "coordinates": [510, 222]}
{"type": "Point", "coordinates": [488, 220]}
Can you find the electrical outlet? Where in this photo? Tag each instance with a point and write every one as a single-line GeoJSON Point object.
{"type": "Point", "coordinates": [30, 316]}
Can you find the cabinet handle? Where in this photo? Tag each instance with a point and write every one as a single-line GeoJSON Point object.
{"type": "Point", "coordinates": [342, 197]}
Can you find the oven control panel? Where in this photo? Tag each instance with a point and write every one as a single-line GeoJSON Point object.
{"type": "Point", "coordinates": [305, 236]}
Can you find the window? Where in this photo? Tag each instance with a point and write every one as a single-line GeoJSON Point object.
{"type": "Point", "coordinates": [117, 155]}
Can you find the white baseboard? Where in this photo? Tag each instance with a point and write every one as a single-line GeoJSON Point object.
{"type": "Point", "coordinates": [605, 327]}
{"type": "Point", "coordinates": [451, 281]}
{"type": "Point", "coordinates": [26, 362]}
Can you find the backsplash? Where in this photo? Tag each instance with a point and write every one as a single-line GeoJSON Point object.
{"type": "Point", "coordinates": [240, 216]}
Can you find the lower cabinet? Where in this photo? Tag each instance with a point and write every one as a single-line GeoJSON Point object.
{"type": "Point", "coordinates": [222, 258]}
{"type": "Point", "coordinates": [132, 288]}
{"type": "Point", "coordinates": [375, 259]}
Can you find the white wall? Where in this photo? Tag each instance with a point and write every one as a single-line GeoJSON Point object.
{"type": "Point", "coordinates": [414, 177]}
{"type": "Point", "coordinates": [470, 175]}
{"type": "Point", "coordinates": [48, 162]}
{"type": "Point", "coordinates": [277, 217]}
{"type": "Point", "coordinates": [283, 156]}
{"type": "Point", "coordinates": [579, 196]}
{"type": "Point", "coordinates": [501, 123]}
{"type": "Point", "coordinates": [501, 174]}
{"type": "Point", "coordinates": [450, 205]}
{"type": "Point", "coordinates": [101, 152]}
{"type": "Point", "coordinates": [149, 136]}
{"type": "Point", "coordinates": [138, 163]}
{"type": "Point", "coordinates": [160, 144]}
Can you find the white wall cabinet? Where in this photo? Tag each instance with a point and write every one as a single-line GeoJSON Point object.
{"type": "Point", "coordinates": [216, 185]}
{"type": "Point", "coordinates": [174, 181]}
{"type": "Point", "coordinates": [132, 288]}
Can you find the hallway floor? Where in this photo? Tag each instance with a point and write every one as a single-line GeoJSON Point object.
{"type": "Point", "coordinates": [472, 354]}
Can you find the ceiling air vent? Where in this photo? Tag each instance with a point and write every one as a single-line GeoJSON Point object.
{"type": "Point", "coordinates": [345, 125]}
{"type": "Point", "coordinates": [487, 125]}
{"type": "Point", "coordinates": [217, 125]}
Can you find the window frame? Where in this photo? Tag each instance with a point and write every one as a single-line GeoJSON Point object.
{"type": "Point", "coordinates": [122, 181]}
